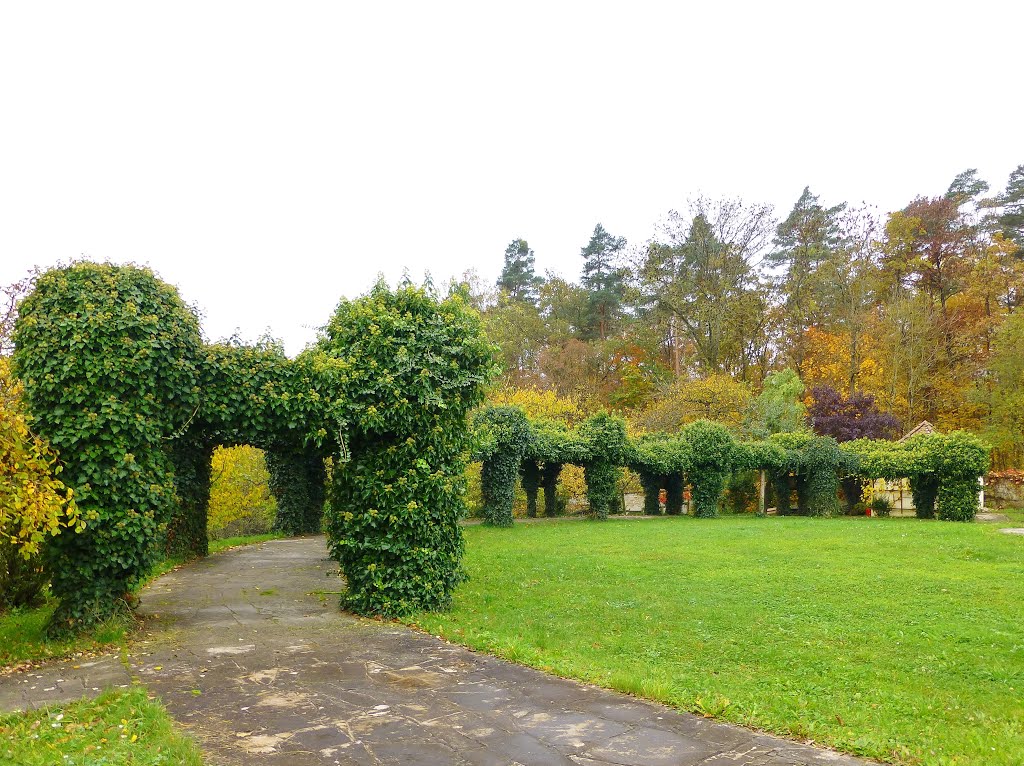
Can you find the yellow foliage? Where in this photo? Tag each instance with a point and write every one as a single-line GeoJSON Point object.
{"type": "Point", "coordinates": [240, 498]}
{"type": "Point", "coordinates": [572, 485]}
{"type": "Point", "coordinates": [34, 503]}
{"type": "Point", "coordinates": [828, 363]}
{"type": "Point", "coordinates": [473, 496]}
{"type": "Point", "coordinates": [539, 404]}
{"type": "Point", "coordinates": [716, 397]}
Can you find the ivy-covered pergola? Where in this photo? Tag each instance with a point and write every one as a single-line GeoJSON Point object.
{"type": "Point", "coordinates": [943, 469]}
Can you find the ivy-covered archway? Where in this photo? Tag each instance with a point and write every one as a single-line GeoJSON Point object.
{"type": "Point", "coordinates": [118, 379]}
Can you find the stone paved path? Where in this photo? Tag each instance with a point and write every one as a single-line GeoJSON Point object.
{"type": "Point", "coordinates": [248, 650]}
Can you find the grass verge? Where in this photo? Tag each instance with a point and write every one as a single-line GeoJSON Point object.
{"type": "Point", "coordinates": [897, 639]}
{"type": "Point", "coordinates": [118, 727]}
{"type": "Point", "coordinates": [216, 546]}
{"type": "Point", "coordinates": [23, 636]}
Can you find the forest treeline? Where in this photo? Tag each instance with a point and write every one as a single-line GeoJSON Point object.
{"type": "Point", "coordinates": [919, 309]}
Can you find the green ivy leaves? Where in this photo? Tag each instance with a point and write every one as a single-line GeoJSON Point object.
{"type": "Point", "coordinates": [402, 370]}
{"type": "Point", "coordinates": [108, 357]}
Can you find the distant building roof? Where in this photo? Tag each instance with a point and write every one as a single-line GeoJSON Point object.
{"type": "Point", "coordinates": [924, 427]}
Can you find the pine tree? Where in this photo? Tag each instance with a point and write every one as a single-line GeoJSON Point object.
{"type": "Point", "coordinates": [1011, 219]}
{"type": "Point", "coordinates": [604, 280]}
{"type": "Point", "coordinates": [804, 241]}
{"type": "Point", "coordinates": [518, 281]}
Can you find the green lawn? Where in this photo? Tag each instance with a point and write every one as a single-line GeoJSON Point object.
{"type": "Point", "coordinates": [893, 638]}
{"type": "Point", "coordinates": [120, 727]}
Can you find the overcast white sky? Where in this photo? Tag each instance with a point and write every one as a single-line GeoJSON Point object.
{"type": "Point", "coordinates": [268, 158]}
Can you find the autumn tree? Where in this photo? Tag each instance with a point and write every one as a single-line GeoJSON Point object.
{"type": "Point", "coordinates": [539, 404]}
{"type": "Point", "coordinates": [700, 276]}
{"type": "Point", "coordinates": [717, 397]}
{"type": "Point", "coordinates": [1004, 423]}
{"type": "Point", "coordinates": [34, 504]}
{"type": "Point", "coordinates": [848, 418]}
{"type": "Point", "coordinates": [240, 499]}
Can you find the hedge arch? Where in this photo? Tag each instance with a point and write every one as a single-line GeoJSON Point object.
{"type": "Point", "coordinates": [661, 462]}
{"type": "Point", "coordinates": [119, 381]}
{"type": "Point", "coordinates": [943, 470]}
{"type": "Point", "coordinates": [550, 447]}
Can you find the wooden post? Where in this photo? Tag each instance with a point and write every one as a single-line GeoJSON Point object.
{"type": "Point", "coordinates": [760, 499]}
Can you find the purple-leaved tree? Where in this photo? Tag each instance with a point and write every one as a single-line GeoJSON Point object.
{"type": "Point", "coordinates": [846, 419]}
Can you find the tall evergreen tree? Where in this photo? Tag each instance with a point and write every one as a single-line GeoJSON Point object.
{"type": "Point", "coordinates": [966, 187]}
{"type": "Point", "coordinates": [518, 280]}
{"type": "Point", "coordinates": [1011, 218]}
{"type": "Point", "coordinates": [604, 280]}
{"type": "Point", "coordinates": [804, 241]}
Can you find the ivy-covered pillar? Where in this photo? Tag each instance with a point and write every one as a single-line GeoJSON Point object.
{"type": "Point", "coordinates": [652, 484]}
{"type": "Point", "coordinates": [401, 371]}
{"type": "Point", "coordinates": [108, 355]}
{"type": "Point", "coordinates": [707, 490]}
{"type": "Point", "coordinates": [957, 499]}
{"type": "Point", "coordinates": [602, 477]}
{"type": "Point", "coordinates": [782, 485]}
{"type": "Point", "coordinates": [800, 484]}
{"type": "Point", "coordinates": [297, 479]}
{"type": "Point", "coordinates": [507, 431]}
{"type": "Point", "coordinates": [603, 439]}
{"type": "Point", "coordinates": [818, 480]}
{"type": "Point", "coordinates": [851, 486]}
{"type": "Point", "coordinates": [549, 481]}
{"type": "Point", "coordinates": [186, 532]}
{"type": "Point", "coordinates": [530, 474]}
{"type": "Point", "coordinates": [711, 448]}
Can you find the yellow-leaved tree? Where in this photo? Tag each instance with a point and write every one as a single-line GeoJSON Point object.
{"type": "Point", "coordinates": [240, 498]}
{"type": "Point", "coordinates": [537, 403]}
{"type": "Point", "coordinates": [717, 397]}
{"type": "Point", "coordinates": [34, 503]}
